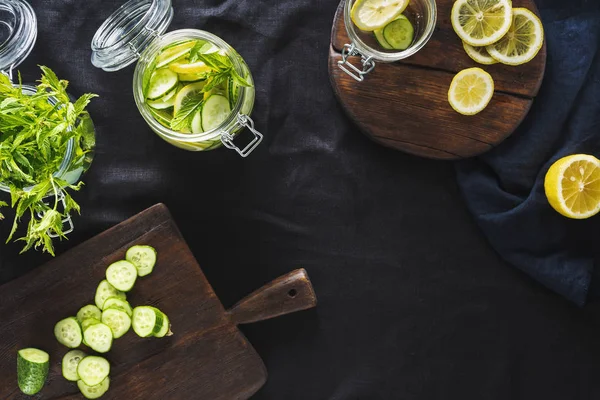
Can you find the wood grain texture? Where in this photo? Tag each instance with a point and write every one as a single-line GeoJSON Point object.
{"type": "Point", "coordinates": [206, 358]}
{"type": "Point", "coordinates": [404, 105]}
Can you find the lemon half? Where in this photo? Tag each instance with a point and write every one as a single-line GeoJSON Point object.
{"type": "Point", "coordinates": [470, 91]}
{"type": "Point", "coordinates": [523, 40]}
{"type": "Point", "coordinates": [481, 22]}
{"type": "Point", "coordinates": [572, 186]}
{"type": "Point", "coordinates": [369, 15]}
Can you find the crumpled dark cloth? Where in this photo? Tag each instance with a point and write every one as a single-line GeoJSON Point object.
{"type": "Point", "coordinates": [504, 188]}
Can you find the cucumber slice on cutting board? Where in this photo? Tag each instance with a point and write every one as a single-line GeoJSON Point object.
{"type": "Point", "coordinates": [118, 304]}
{"type": "Point", "coordinates": [87, 312]}
{"type": "Point", "coordinates": [161, 82]}
{"type": "Point", "coordinates": [144, 257]}
{"type": "Point", "coordinates": [92, 370]}
{"type": "Point", "coordinates": [117, 320]}
{"type": "Point", "coordinates": [399, 33]}
{"type": "Point", "coordinates": [32, 370]}
{"type": "Point", "coordinates": [122, 275]}
{"type": "Point", "coordinates": [69, 364]}
{"type": "Point", "coordinates": [165, 330]}
{"type": "Point", "coordinates": [147, 321]}
{"type": "Point", "coordinates": [106, 290]}
{"type": "Point", "coordinates": [98, 337]}
{"type": "Point", "coordinates": [68, 332]}
{"type": "Point", "coordinates": [214, 111]}
{"type": "Point", "coordinates": [94, 392]}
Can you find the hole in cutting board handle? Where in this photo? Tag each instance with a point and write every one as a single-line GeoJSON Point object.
{"type": "Point", "coordinates": [287, 294]}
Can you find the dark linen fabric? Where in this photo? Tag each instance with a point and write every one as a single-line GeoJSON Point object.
{"type": "Point", "coordinates": [413, 302]}
{"type": "Point", "coordinates": [504, 189]}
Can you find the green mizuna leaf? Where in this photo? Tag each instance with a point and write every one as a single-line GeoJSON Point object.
{"type": "Point", "coordinates": [34, 137]}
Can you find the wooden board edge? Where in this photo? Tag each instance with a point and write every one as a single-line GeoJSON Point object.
{"type": "Point", "coordinates": [161, 214]}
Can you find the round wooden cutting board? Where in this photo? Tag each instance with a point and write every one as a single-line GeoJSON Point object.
{"type": "Point", "coordinates": [404, 105]}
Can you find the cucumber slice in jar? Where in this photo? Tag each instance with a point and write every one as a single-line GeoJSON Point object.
{"type": "Point", "coordinates": [191, 77]}
{"type": "Point", "coordinates": [161, 82]}
{"type": "Point", "coordinates": [122, 275]}
{"type": "Point", "coordinates": [118, 304]}
{"type": "Point", "coordinates": [214, 111]}
{"type": "Point", "coordinates": [196, 125]}
{"type": "Point", "coordinates": [106, 290]}
{"type": "Point", "coordinates": [142, 256]}
{"type": "Point", "coordinates": [381, 40]}
{"type": "Point", "coordinates": [174, 52]}
{"type": "Point", "coordinates": [69, 364]}
{"type": "Point", "coordinates": [117, 320]}
{"type": "Point", "coordinates": [161, 104]}
{"type": "Point", "coordinates": [147, 321]}
{"type": "Point", "coordinates": [161, 116]}
{"type": "Point", "coordinates": [399, 33]}
{"type": "Point", "coordinates": [92, 370]}
{"type": "Point", "coordinates": [98, 337]}
{"type": "Point", "coordinates": [32, 370]}
{"type": "Point", "coordinates": [68, 332]}
{"type": "Point", "coordinates": [94, 392]}
{"type": "Point", "coordinates": [87, 312]}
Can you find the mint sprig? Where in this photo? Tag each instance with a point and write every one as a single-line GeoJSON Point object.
{"type": "Point", "coordinates": [34, 137]}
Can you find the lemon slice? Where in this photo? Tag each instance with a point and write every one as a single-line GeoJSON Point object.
{"type": "Point", "coordinates": [523, 40]}
{"type": "Point", "coordinates": [470, 91]}
{"type": "Point", "coordinates": [479, 54]}
{"type": "Point", "coordinates": [369, 15]}
{"type": "Point", "coordinates": [572, 186]}
{"type": "Point", "coordinates": [481, 22]}
{"type": "Point", "coordinates": [190, 68]}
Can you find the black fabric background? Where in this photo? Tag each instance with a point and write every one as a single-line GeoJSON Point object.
{"type": "Point", "coordinates": [414, 304]}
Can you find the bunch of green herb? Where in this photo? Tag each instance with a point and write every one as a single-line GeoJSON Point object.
{"type": "Point", "coordinates": [222, 69]}
{"type": "Point", "coordinates": [35, 131]}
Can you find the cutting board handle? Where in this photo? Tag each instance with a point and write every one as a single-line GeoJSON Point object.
{"type": "Point", "coordinates": [287, 294]}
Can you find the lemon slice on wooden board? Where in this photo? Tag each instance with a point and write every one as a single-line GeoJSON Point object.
{"type": "Point", "coordinates": [481, 22]}
{"type": "Point", "coordinates": [523, 40]}
{"type": "Point", "coordinates": [369, 15]}
{"type": "Point", "coordinates": [479, 54]}
{"type": "Point", "coordinates": [470, 91]}
{"type": "Point", "coordinates": [572, 186]}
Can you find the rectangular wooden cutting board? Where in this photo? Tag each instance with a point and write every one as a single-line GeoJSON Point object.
{"type": "Point", "coordinates": [206, 358]}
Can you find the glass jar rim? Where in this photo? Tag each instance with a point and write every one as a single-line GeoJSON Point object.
{"type": "Point", "coordinates": [124, 35]}
{"type": "Point", "coordinates": [18, 17]}
{"type": "Point", "coordinates": [63, 169]}
{"type": "Point", "coordinates": [151, 52]}
{"type": "Point", "coordinates": [378, 55]}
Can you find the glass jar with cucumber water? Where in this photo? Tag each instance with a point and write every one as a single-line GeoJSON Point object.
{"type": "Point", "coordinates": [191, 87]}
{"type": "Point", "coordinates": [385, 31]}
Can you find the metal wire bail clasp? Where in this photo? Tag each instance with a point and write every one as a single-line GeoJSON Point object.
{"type": "Point", "coordinates": [367, 63]}
{"type": "Point", "coordinates": [247, 122]}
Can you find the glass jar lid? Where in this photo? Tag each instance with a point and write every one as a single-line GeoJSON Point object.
{"type": "Point", "coordinates": [18, 31]}
{"type": "Point", "coordinates": [128, 31]}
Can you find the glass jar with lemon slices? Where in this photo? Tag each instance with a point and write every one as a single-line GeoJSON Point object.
{"type": "Point", "coordinates": [192, 88]}
{"type": "Point", "coordinates": [385, 31]}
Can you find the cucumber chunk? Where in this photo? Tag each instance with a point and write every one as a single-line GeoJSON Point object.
{"type": "Point", "coordinates": [92, 370]}
{"type": "Point", "coordinates": [144, 257]}
{"type": "Point", "coordinates": [69, 364]}
{"type": "Point", "coordinates": [122, 275]}
{"type": "Point", "coordinates": [215, 110]}
{"type": "Point", "coordinates": [118, 304]}
{"type": "Point", "coordinates": [68, 332]}
{"type": "Point", "coordinates": [161, 82]}
{"type": "Point", "coordinates": [98, 337]}
{"type": "Point", "coordinates": [165, 330]}
{"type": "Point", "coordinates": [147, 321]}
{"type": "Point", "coordinates": [94, 392]}
{"type": "Point", "coordinates": [399, 33]}
{"type": "Point", "coordinates": [32, 370]}
{"type": "Point", "coordinates": [106, 290]}
{"type": "Point", "coordinates": [118, 321]}
{"type": "Point", "coordinates": [87, 312]}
